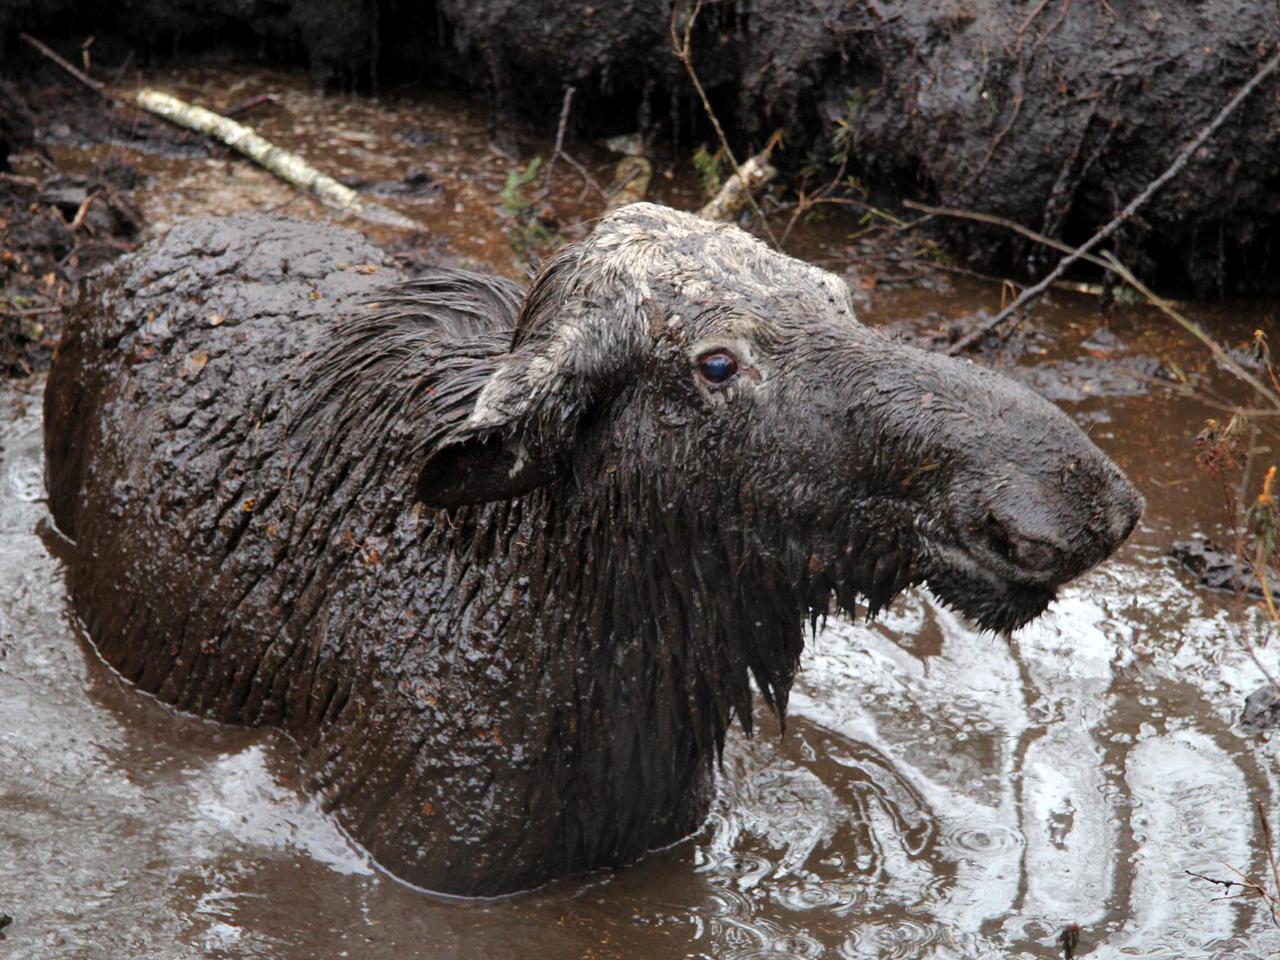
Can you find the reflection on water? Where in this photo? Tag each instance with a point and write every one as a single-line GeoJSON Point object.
{"type": "Point", "coordinates": [938, 793]}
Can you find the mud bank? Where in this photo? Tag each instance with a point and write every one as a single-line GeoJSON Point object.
{"type": "Point", "coordinates": [1051, 114]}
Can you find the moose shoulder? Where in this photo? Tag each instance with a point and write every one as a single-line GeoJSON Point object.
{"type": "Point", "coordinates": [506, 563]}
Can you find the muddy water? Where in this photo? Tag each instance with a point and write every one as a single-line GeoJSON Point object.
{"type": "Point", "coordinates": [938, 793]}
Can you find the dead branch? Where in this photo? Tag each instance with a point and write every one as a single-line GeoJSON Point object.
{"type": "Point", "coordinates": [71, 70]}
{"type": "Point", "coordinates": [1108, 261]}
{"type": "Point", "coordinates": [559, 149]}
{"type": "Point", "coordinates": [1193, 328]}
{"type": "Point", "coordinates": [995, 221]}
{"type": "Point", "coordinates": [559, 153]}
{"type": "Point", "coordinates": [1180, 161]}
{"type": "Point", "coordinates": [588, 181]}
{"type": "Point", "coordinates": [739, 189]}
{"type": "Point", "coordinates": [252, 103]}
{"type": "Point", "coordinates": [78, 220]}
{"type": "Point", "coordinates": [285, 165]}
{"type": "Point", "coordinates": [630, 182]}
{"type": "Point", "coordinates": [1271, 860]}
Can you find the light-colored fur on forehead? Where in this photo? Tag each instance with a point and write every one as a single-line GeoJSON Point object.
{"type": "Point", "coordinates": [645, 245]}
{"type": "Point", "coordinates": [612, 293]}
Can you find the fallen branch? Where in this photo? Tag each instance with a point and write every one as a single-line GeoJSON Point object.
{"type": "Point", "coordinates": [630, 182]}
{"type": "Point", "coordinates": [1180, 161]}
{"type": "Point", "coordinates": [991, 218]}
{"type": "Point", "coordinates": [1193, 328]}
{"type": "Point", "coordinates": [285, 165]}
{"type": "Point", "coordinates": [78, 221]}
{"type": "Point", "coordinates": [73, 71]}
{"type": "Point", "coordinates": [1108, 261]}
{"type": "Point", "coordinates": [739, 189]}
{"type": "Point", "coordinates": [252, 103]}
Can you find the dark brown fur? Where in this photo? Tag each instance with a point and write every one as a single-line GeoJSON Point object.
{"type": "Point", "coordinates": [501, 563]}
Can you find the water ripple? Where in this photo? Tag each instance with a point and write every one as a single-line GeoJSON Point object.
{"type": "Point", "coordinates": [792, 946]}
{"type": "Point", "coordinates": [982, 841]}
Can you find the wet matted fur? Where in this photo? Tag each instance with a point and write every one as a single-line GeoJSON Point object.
{"type": "Point", "coordinates": [507, 563]}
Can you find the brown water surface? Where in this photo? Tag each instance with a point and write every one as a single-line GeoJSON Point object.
{"type": "Point", "coordinates": [939, 793]}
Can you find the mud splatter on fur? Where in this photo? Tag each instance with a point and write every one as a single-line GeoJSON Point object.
{"type": "Point", "coordinates": [507, 564]}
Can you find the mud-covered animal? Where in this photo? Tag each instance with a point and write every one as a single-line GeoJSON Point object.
{"type": "Point", "coordinates": [505, 564]}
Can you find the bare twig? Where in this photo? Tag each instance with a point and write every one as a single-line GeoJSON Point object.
{"type": "Point", "coordinates": [1180, 161]}
{"type": "Point", "coordinates": [1108, 261]}
{"type": "Point", "coordinates": [1271, 859]}
{"type": "Point", "coordinates": [71, 70]}
{"type": "Point", "coordinates": [36, 311]}
{"type": "Point", "coordinates": [1013, 225]}
{"type": "Point", "coordinates": [120, 71]}
{"type": "Point", "coordinates": [1225, 884]}
{"type": "Point", "coordinates": [585, 174]}
{"type": "Point", "coordinates": [559, 149]}
{"type": "Point", "coordinates": [20, 180]}
{"type": "Point", "coordinates": [1193, 328]}
{"type": "Point", "coordinates": [78, 220]}
{"type": "Point", "coordinates": [252, 103]}
{"type": "Point", "coordinates": [1257, 662]}
{"type": "Point", "coordinates": [559, 153]}
{"type": "Point", "coordinates": [1248, 886]}
{"type": "Point", "coordinates": [682, 47]}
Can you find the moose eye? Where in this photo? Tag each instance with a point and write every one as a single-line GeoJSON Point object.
{"type": "Point", "coordinates": [717, 368]}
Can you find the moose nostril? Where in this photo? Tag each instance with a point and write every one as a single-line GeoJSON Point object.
{"type": "Point", "coordinates": [1033, 555]}
{"type": "Point", "coordinates": [998, 537]}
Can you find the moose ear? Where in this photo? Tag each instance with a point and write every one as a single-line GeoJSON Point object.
{"type": "Point", "coordinates": [513, 426]}
{"type": "Point", "coordinates": [480, 468]}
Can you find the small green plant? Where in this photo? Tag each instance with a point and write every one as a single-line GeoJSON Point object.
{"type": "Point", "coordinates": [513, 198]}
{"type": "Point", "coordinates": [710, 167]}
{"type": "Point", "coordinates": [846, 133]}
{"type": "Point", "coordinates": [530, 233]}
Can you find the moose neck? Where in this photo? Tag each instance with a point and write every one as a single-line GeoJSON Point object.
{"type": "Point", "coordinates": [656, 621]}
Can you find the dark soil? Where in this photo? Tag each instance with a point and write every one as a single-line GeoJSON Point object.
{"type": "Point", "coordinates": [1052, 114]}
{"type": "Point", "coordinates": [57, 228]}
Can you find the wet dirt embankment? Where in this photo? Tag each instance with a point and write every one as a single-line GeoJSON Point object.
{"type": "Point", "coordinates": [1051, 114]}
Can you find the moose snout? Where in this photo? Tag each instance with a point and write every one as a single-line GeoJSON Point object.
{"type": "Point", "coordinates": [1124, 511]}
{"type": "Point", "coordinates": [1041, 541]}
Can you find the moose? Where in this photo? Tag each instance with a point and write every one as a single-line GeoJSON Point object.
{"type": "Point", "coordinates": [504, 563]}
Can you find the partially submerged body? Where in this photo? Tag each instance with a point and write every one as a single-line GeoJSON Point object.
{"type": "Point", "coordinates": [506, 564]}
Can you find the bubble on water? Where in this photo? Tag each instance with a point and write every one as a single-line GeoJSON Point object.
{"type": "Point", "coordinates": [819, 896]}
{"type": "Point", "coordinates": [980, 840]}
{"type": "Point", "coordinates": [745, 868]}
{"type": "Point", "coordinates": [26, 480]}
{"type": "Point", "coordinates": [791, 946]}
{"type": "Point", "coordinates": [912, 939]}
{"type": "Point", "coordinates": [899, 939]}
{"type": "Point", "coordinates": [726, 903]}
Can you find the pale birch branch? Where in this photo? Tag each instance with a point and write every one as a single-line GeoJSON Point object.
{"type": "Point", "coordinates": [285, 165]}
{"type": "Point", "coordinates": [739, 189]}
